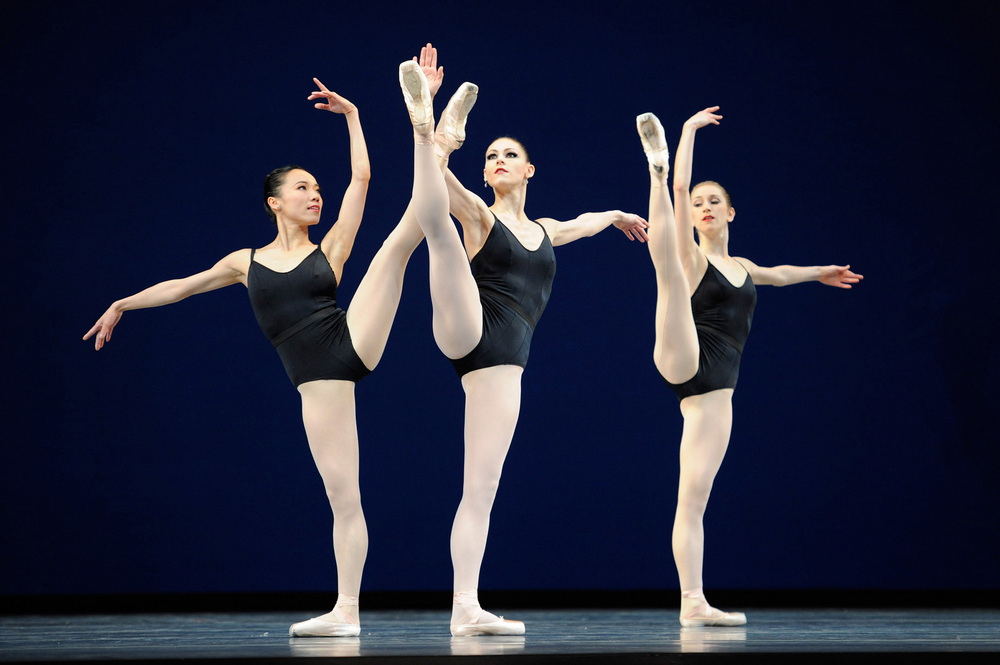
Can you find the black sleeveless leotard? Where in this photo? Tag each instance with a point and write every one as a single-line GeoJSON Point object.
{"type": "Point", "coordinates": [297, 310]}
{"type": "Point", "coordinates": [722, 315]}
{"type": "Point", "coordinates": [514, 287]}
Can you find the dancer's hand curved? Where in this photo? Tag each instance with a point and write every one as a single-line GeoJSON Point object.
{"type": "Point", "coordinates": [334, 102]}
{"type": "Point", "coordinates": [839, 276]}
{"type": "Point", "coordinates": [633, 226]}
{"type": "Point", "coordinates": [429, 64]}
{"type": "Point", "coordinates": [706, 117]}
{"type": "Point", "coordinates": [103, 327]}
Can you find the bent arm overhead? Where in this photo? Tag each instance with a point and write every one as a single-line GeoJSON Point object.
{"type": "Point", "coordinates": [339, 240]}
{"type": "Point", "coordinates": [682, 183]}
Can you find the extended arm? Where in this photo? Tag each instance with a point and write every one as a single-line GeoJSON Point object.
{"type": "Point", "coordinates": [682, 183]}
{"type": "Point", "coordinates": [229, 270]}
{"type": "Point", "coordinates": [592, 223]}
{"type": "Point", "coordinates": [838, 276]}
{"type": "Point", "coordinates": [339, 240]}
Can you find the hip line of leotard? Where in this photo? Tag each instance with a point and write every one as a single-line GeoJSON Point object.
{"type": "Point", "coordinates": [513, 304]}
{"type": "Point", "coordinates": [300, 325]}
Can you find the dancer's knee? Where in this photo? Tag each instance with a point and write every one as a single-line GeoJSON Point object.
{"type": "Point", "coordinates": [692, 498]}
{"type": "Point", "coordinates": [344, 500]}
{"type": "Point", "coordinates": [674, 366]}
{"type": "Point", "coordinates": [480, 493]}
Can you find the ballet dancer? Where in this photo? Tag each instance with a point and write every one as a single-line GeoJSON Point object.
{"type": "Point", "coordinates": [488, 289]}
{"type": "Point", "coordinates": [292, 284]}
{"type": "Point", "coordinates": [704, 306]}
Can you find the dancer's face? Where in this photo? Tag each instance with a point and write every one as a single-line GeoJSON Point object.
{"type": "Point", "coordinates": [300, 198]}
{"type": "Point", "coordinates": [710, 208]}
{"type": "Point", "coordinates": [506, 164]}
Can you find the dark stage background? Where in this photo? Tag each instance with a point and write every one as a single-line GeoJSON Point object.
{"type": "Point", "coordinates": [864, 451]}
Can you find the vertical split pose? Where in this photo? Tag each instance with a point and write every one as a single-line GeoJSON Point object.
{"type": "Point", "coordinates": [704, 306]}
{"type": "Point", "coordinates": [292, 285]}
{"type": "Point", "coordinates": [487, 296]}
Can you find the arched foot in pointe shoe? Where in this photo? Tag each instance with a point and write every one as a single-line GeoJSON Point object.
{"type": "Point", "coordinates": [450, 133]}
{"type": "Point", "coordinates": [417, 95]}
{"type": "Point", "coordinates": [654, 142]}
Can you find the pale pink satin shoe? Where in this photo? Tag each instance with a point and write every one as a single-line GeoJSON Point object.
{"type": "Point", "coordinates": [450, 133]}
{"type": "Point", "coordinates": [654, 142]}
{"type": "Point", "coordinates": [499, 627]}
{"type": "Point", "coordinates": [704, 614]}
{"type": "Point", "coordinates": [417, 95]}
{"type": "Point", "coordinates": [344, 626]}
{"type": "Point", "coordinates": [470, 614]}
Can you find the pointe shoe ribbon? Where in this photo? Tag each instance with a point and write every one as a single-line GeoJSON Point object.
{"type": "Point", "coordinates": [450, 133]}
{"type": "Point", "coordinates": [417, 95]}
{"type": "Point", "coordinates": [654, 142]}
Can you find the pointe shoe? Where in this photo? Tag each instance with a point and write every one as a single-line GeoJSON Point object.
{"type": "Point", "coordinates": [499, 627]}
{"type": "Point", "coordinates": [450, 133]}
{"type": "Point", "coordinates": [417, 96]}
{"type": "Point", "coordinates": [322, 628]}
{"type": "Point", "coordinates": [654, 142]}
{"type": "Point", "coordinates": [714, 618]}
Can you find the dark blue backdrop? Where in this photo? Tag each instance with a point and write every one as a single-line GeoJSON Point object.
{"type": "Point", "coordinates": [863, 454]}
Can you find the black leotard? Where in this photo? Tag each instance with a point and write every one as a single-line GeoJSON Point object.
{"type": "Point", "coordinates": [514, 287]}
{"type": "Point", "coordinates": [722, 315]}
{"type": "Point", "coordinates": [298, 312]}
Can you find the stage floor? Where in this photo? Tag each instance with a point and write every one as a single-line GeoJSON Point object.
{"type": "Point", "coordinates": [578, 636]}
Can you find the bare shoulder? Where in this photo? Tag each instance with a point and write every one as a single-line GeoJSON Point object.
{"type": "Point", "coordinates": [235, 265]}
{"type": "Point", "coordinates": [239, 260]}
{"type": "Point", "coordinates": [549, 225]}
{"type": "Point", "coordinates": [752, 268]}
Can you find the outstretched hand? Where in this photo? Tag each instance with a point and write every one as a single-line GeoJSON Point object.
{"type": "Point", "coordinates": [839, 276]}
{"type": "Point", "coordinates": [633, 226]}
{"type": "Point", "coordinates": [706, 117]}
{"type": "Point", "coordinates": [103, 327]}
{"type": "Point", "coordinates": [429, 64]}
{"type": "Point", "coordinates": [334, 102]}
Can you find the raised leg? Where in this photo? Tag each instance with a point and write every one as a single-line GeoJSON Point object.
{"type": "Point", "coordinates": [374, 305]}
{"type": "Point", "coordinates": [675, 350]}
{"type": "Point", "coordinates": [458, 314]}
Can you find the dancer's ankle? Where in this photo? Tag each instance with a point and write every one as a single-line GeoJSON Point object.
{"type": "Point", "coordinates": [693, 602]}
{"type": "Point", "coordinates": [346, 609]}
{"type": "Point", "coordinates": [465, 609]}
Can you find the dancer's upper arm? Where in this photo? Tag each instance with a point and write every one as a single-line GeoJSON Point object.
{"type": "Point", "coordinates": [471, 212]}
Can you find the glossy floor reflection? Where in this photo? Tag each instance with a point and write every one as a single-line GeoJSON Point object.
{"type": "Point", "coordinates": [552, 636]}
